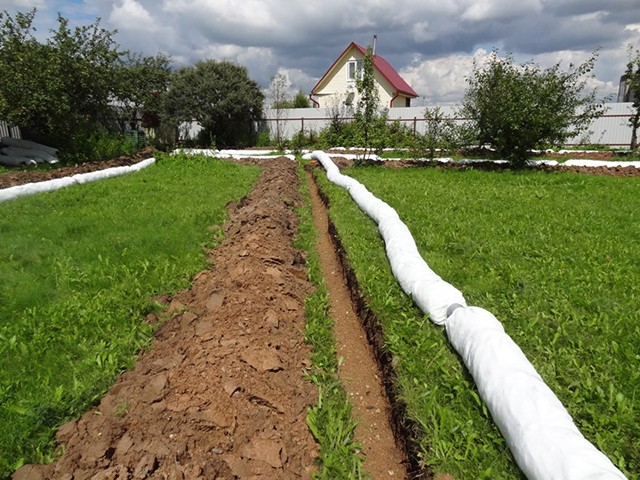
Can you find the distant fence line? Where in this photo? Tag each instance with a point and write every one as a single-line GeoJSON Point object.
{"type": "Point", "coordinates": [611, 129]}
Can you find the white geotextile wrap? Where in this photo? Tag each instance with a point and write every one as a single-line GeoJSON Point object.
{"type": "Point", "coordinates": [233, 154]}
{"type": "Point", "coordinates": [80, 178]}
{"type": "Point", "coordinates": [544, 441]}
{"type": "Point", "coordinates": [538, 429]}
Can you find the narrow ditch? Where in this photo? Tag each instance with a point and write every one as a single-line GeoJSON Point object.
{"type": "Point", "coordinates": [366, 370]}
{"type": "Point", "coordinates": [402, 427]}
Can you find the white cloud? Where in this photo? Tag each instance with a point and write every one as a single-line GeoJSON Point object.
{"type": "Point", "coordinates": [483, 10]}
{"type": "Point", "coordinates": [305, 37]}
{"type": "Point", "coordinates": [131, 15]}
{"type": "Point", "coordinates": [442, 80]}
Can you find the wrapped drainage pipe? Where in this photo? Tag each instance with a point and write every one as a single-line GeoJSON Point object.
{"type": "Point", "coordinates": [539, 431]}
{"type": "Point", "coordinates": [80, 178]}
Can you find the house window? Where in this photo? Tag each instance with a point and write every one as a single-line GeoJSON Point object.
{"type": "Point", "coordinates": [354, 69]}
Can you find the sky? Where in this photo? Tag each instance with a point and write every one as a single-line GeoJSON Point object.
{"type": "Point", "coordinates": [432, 43]}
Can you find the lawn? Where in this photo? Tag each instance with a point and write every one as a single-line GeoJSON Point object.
{"type": "Point", "coordinates": [554, 256]}
{"type": "Point", "coordinates": [79, 268]}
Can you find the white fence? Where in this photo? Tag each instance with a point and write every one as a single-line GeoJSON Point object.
{"type": "Point", "coordinates": [7, 131]}
{"type": "Point", "coordinates": [612, 128]}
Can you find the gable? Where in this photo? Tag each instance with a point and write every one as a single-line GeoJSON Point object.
{"type": "Point", "coordinates": [382, 70]}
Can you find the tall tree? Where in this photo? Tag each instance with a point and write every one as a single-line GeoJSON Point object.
{"type": "Point", "coordinates": [368, 98]}
{"type": "Point", "coordinates": [633, 84]}
{"type": "Point", "coordinates": [218, 95]}
{"type": "Point", "coordinates": [517, 108]}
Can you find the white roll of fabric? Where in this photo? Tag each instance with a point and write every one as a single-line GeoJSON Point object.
{"type": "Point", "coordinates": [80, 178]}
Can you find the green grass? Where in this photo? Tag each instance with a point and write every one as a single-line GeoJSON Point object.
{"type": "Point", "coordinates": [78, 269]}
{"type": "Point", "coordinates": [555, 257]}
{"type": "Point", "coordinates": [330, 419]}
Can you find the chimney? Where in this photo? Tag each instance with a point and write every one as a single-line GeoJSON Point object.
{"type": "Point", "coordinates": [373, 49]}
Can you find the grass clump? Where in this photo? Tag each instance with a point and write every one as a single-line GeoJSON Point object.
{"type": "Point", "coordinates": [78, 269]}
{"type": "Point", "coordinates": [330, 419]}
{"type": "Point", "coordinates": [554, 257]}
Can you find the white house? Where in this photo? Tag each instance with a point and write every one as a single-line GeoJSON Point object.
{"type": "Point", "coordinates": [337, 87]}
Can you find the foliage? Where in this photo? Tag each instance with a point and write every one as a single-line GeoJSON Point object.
{"type": "Point", "coordinates": [442, 135]}
{"type": "Point", "coordinates": [517, 108]}
{"type": "Point", "coordinates": [383, 133]}
{"type": "Point", "coordinates": [300, 100]}
{"type": "Point", "coordinates": [366, 113]}
{"type": "Point", "coordinates": [633, 81]}
{"type": "Point", "coordinates": [91, 145]}
{"type": "Point", "coordinates": [561, 277]}
{"type": "Point", "coordinates": [142, 82]}
{"type": "Point", "coordinates": [218, 95]}
{"type": "Point", "coordinates": [56, 88]}
{"type": "Point", "coordinates": [78, 270]}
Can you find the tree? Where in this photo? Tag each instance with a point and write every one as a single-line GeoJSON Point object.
{"type": "Point", "coordinates": [143, 80]}
{"type": "Point", "coordinates": [218, 95]}
{"type": "Point", "coordinates": [368, 99]}
{"type": "Point", "coordinates": [278, 94]}
{"type": "Point", "coordinates": [442, 134]}
{"type": "Point", "coordinates": [300, 100]}
{"type": "Point", "coordinates": [517, 108]}
{"type": "Point", "coordinates": [58, 88]}
{"type": "Point", "coordinates": [633, 83]}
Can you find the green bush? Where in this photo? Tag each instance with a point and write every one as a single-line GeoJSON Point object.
{"type": "Point", "coordinates": [98, 144]}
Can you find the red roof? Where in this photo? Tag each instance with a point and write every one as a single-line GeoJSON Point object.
{"type": "Point", "coordinates": [379, 64]}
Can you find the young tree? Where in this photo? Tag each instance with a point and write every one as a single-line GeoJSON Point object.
{"type": "Point", "coordinates": [633, 82]}
{"type": "Point", "coordinates": [218, 95]}
{"type": "Point", "coordinates": [300, 100]}
{"type": "Point", "coordinates": [368, 99]}
{"type": "Point", "coordinates": [279, 101]}
{"type": "Point", "coordinates": [517, 108]}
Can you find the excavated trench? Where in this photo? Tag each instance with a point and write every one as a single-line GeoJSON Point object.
{"type": "Point", "coordinates": [402, 428]}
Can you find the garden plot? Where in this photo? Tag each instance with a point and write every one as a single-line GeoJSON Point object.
{"type": "Point", "coordinates": [464, 223]}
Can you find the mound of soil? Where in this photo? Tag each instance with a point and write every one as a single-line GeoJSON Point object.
{"type": "Point", "coordinates": [221, 393]}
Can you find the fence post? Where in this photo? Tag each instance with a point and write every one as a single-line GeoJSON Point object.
{"type": "Point", "coordinates": [302, 125]}
{"type": "Point", "coordinates": [415, 122]}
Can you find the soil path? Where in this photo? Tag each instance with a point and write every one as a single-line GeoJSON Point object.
{"type": "Point", "coordinates": [220, 394]}
{"type": "Point", "coordinates": [358, 371]}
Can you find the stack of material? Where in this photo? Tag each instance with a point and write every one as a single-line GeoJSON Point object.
{"type": "Point", "coordinates": [15, 152]}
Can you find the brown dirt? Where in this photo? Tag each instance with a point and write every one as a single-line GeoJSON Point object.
{"type": "Point", "coordinates": [629, 171]}
{"type": "Point", "coordinates": [358, 371]}
{"type": "Point", "coordinates": [220, 394]}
